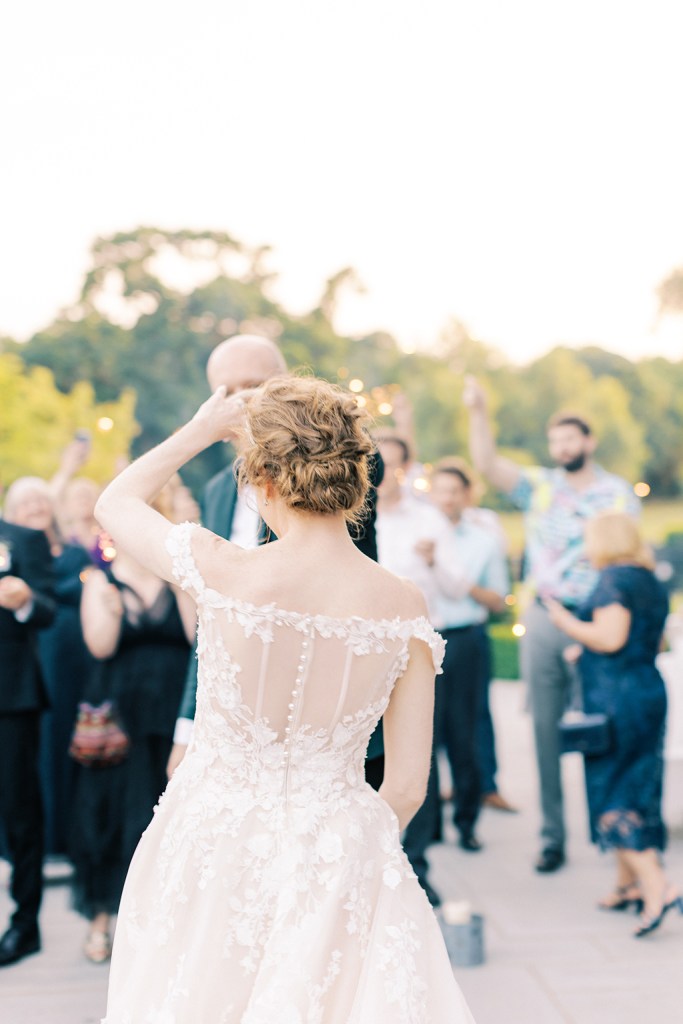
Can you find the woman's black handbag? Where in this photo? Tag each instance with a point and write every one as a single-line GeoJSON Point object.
{"type": "Point", "coordinates": [581, 733]}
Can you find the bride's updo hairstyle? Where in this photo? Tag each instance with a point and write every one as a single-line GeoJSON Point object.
{"type": "Point", "coordinates": [309, 439]}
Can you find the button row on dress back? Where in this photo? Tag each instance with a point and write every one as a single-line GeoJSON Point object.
{"type": "Point", "coordinates": [303, 659]}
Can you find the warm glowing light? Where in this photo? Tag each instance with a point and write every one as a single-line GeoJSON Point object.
{"type": "Point", "coordinates": [109, 553]}
{"type": "Point", "coordinates": [641, 489]}
{"type": "Point", "coordinates": [361, 401]}
{"type": "Point", "coordinates": [343, 372]}
{"type": "Point", "coordinates": [356, 385]}
{"type": "Point", "coordinates": [518, 629]}
{"type": "Point", "coordinates": [385, 408]}
{"type": "Point", "coordinates": [510, 600]}
{"type": "Point", "coordinates": [105, 423]}
{"type": "Point", "coordinates": [421, 483]}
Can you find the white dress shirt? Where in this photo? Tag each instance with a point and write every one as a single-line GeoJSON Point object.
{"type": "Point", "coordinates": [399, 529]}
{"type": "Point", "coordinates": [246, 522]}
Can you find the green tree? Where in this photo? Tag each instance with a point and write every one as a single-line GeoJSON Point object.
{"type": "Point", "coordinates": [658, 405]}
{"type": "Point", "coordinates": [132, 329]}
{"type": "Point", "coordinates": [39, 421]}
{"type": "Point", "coordinates": [155, 303]}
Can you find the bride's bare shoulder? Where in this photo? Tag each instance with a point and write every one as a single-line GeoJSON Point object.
{"type": "Point", "coordinates": [400, 595]}
{"type": "Point", "coordinates": [208, 546]}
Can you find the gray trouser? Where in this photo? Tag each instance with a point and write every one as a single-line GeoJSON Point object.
{"type": "Point", "coordinates": [548, 678]}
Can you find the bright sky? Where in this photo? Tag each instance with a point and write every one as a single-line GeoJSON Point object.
{"type": "Point", "coordinates": [515, 164]}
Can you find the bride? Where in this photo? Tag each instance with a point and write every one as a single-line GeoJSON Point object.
{"type": "Point", "coordinates": [271, 887]}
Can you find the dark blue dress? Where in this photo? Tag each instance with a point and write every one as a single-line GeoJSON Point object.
{"type": "Point", "coordinates": [624, 786]}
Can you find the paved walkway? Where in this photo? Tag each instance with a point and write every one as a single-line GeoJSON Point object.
{"type": "Point", "coordinates": [551, 958]}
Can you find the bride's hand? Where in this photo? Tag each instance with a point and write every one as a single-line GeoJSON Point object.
{"type": "Point", "coordinates": [221, 417]}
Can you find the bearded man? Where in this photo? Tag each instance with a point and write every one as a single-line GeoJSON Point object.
{"type": "Point", "coordinates": [557, 503]}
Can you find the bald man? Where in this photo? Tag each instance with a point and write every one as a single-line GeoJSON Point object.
{"type": "Point", "coordinates": [240, 363]}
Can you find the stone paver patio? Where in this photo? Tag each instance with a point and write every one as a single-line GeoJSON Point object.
{"type": "Point", "coordinates": [551, 957]}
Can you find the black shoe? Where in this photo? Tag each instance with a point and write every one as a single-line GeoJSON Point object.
{"type": "Point", "coordinates": [468, 841]}
{"type": "Point", "coordinates": [649, 924]}
{"type": "Point", "coordinates": [15, 944]}
{"type": "Point", "coordinates": [549, 860]}
{"type": "Point", "coordinates": [432, 894]}
{"type": "Point", "coordinates": [623, 897]}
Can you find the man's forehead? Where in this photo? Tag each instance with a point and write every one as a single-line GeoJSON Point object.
{"type": "Point", "coordinates": [565, 430]}
{"type": "Point", "coordinates": [391, 449]}
{"type": "Point", "coordinates": [238, 376]}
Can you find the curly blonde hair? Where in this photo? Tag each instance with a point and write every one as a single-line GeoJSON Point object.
{"type": "Point", "coordinates": [309, 439]}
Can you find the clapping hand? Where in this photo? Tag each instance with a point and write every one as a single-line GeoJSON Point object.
{"type": "Point", "coordinates": [13, 593]}
{"type": "Point", "coordinates": [426, 549]}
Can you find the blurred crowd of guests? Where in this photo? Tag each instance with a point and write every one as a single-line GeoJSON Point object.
{"type": "Point", "coordinates": [94, 624]}
{"type": "Point", "coordinates": [80, 621]}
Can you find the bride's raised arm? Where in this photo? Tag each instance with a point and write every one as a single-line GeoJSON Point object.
{"type": "Point", "coordinates": [123, 508]}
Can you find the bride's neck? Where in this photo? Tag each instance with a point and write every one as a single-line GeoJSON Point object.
{"type": "Point", "coordinates": [305, 530]}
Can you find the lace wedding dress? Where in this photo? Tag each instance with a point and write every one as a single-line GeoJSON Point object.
{"type": "Point", "coordinates": [271, 887]}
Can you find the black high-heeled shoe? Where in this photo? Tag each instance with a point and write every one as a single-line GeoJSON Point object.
{"type": "Point", "coordinates": [620, 899]}
{"type": "Point", "coordinates": [649, 924]}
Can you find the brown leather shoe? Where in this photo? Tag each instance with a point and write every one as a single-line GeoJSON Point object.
{"type": "Point", "coordinates": [498, 803]}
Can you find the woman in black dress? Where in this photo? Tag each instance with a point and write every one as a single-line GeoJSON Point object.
{"type": "Point", "coordinates": [140, 628]}
{"type": "Point", "coordinates": [64, 659]}
{"type": "Point", "coordinates": [620, 630]}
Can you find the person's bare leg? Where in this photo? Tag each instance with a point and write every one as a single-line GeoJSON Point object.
{"type": "Point", "coordinates": [100, 923]}
{"type": "Point", "coordinates": [656, 889]}
{"type": "Point", "coordinates": [626, 891]}
{"type": "Point", "coordinates": [626, 876]}
{"type": "Point", "coordinates": [97, 946]}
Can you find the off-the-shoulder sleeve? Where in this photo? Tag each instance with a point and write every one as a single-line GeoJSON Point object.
{"type": "Point", "coordinates": [423, 631]}
{"type": "Point", "coordinates": [179, 547]}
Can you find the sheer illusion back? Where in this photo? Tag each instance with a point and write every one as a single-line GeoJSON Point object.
{"type": "Point", "coordinates": [283, 683]}
{"type": "Point", "coordinates": [271, 887]}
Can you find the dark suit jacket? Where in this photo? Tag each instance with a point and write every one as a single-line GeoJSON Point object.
{"type": "Point", "coordinates": [26, 554]}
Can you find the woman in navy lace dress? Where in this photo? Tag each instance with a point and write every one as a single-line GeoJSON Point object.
{"type": "Point", "coordinates": [620, 629]}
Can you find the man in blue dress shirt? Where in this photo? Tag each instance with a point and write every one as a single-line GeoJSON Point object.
{"type": "Point", "coordinates": [460, 622]}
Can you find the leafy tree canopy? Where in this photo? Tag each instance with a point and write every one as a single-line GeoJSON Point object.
{"type": "Point", "coordinates": [39, 421]}
{"type": "Point", "coordinates": [154, 303]}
